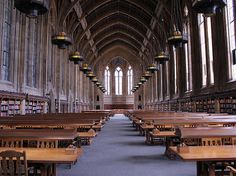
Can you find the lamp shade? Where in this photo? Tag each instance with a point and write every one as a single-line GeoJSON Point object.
{"type": "Point", "coordinates": [98, 83]}
{"type": "Point", "coordinates": [152, 68]}
{"type": "Point", "coordinates": [161, 57]}
{"type": "Point", "coordinates": [140, 83]}
{"type": "Point", "coordinates": [94, 79]}
{"type": "Point", "coordinates": [147, 75]}
{"type": "Point", "coordinates": [32, 8]}
{"type": "Point", "coordinates": [76, 57]}
{"type": "Point", "coordinates": [90, 74]}
{"type": "Point", "coordinates": [142, 79]}
{"type": "Point", "coordinates": [177, 39]}
{"type": "Point", "coordinates": [61, 40]}
{"type": "Point", "coordinates": [85, 68]}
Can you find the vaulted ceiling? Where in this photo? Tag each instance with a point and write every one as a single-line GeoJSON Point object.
{"type": "Point", "coordinates": [98, 26]}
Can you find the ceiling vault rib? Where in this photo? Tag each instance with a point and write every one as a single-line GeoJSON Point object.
{"type": "Point", "coordinates": [84, 24]}
{"type": "Point", "coordinates": [149, 32]}
{"type": "Point", "coordinates": [112, 13]}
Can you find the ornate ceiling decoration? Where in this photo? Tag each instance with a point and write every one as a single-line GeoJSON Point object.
{"type": "Point", "coordinates": [97, 26]}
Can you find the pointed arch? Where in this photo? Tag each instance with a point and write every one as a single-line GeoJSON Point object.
{"type": "Point", "coordinates": [118, 80]}
{"type": "Point", "coordinates": [130, 80]}
{"type": "Point", "coordinates": [107, 79]}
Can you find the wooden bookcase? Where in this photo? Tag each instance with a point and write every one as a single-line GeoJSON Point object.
{"type": "Point", "coordinates": [17, 104]}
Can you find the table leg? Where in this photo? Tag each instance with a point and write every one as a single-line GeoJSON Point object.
{"type": "Point", "coordinates": [43, 170]}
{"type": "Point", "coordinates": [199, 168]}
{"type": "Point", "coordinates": [211, 169]}
{"type": "Point", "coordinates": [54, 169]}
{"type": "Point", "coordinates": [205, 169]}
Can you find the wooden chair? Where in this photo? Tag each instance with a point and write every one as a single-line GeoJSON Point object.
{"type": "Point", "coordinates": [219, 166]}
{"type": "Point", "coordinates": [191, 141]}
{"type": "Point", "coordinates": [228, 141]}
{"type": "Point", "coordinates": [11, 143]}
{"type": "Point", "coordinates": [233, 139]}
{"type": "Point", "coordinates": [211, 141]}
{"type": "Point", "coordinates": [232, 170]}
{"type": "Point", "coordinates": [47, 144]}
{"type": "Point", "coordinates": [13, 163]}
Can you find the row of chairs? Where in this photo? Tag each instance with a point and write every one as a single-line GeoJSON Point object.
{"type": "Point", "coordinates": [35, 144]}
{"type": "Point", "coordinates": [210, 141]}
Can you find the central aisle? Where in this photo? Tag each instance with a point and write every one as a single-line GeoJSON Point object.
{"type": "Point", "coordinates": [118, 150]}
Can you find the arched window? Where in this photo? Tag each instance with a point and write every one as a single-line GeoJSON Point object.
{"type": "Point", "coordinates": [187, 50]}
{"type": "Point", "coordinates": [175, 69]}
{"type": "Point", "coordinates": [230, 22]}
{"type": "Point", "coordinates": [7, 38]}
{"type": "Point", "coordinates": [118, 81]}
{"type": "Point", "coordinates": [32, 53]}
{"type": "Point", "coordinates": [206, 49]}
{"type": "Point", "coordinates": [107, 80]}
{"type": "Point", "coordinates": [130, 79]}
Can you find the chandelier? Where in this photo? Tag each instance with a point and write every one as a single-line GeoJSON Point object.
{"type": "Point", "coordinates": [152, 68]}
{"type": "Point", "coordinates": [177, 38]}
{"type": "Point", "coordinates": [32, 8]}
{"type": "Point", "coordinates": [85, 68]}
{"type": "Point", "coordinates": [162, 57]}
{"type": "Point", "coordinates": [76, 57]}
{"type": "Point", "coordinates": [62, 40]}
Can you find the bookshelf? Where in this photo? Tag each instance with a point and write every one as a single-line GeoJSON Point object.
{"type": "Point", "coordinates": [12, 103]}
{"type": "Point", "coordinates": [10, 107]}
{"type": "Point", "coordinates": [34, 107]}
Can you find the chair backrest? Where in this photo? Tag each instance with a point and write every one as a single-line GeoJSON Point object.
{"type": "Point", "coordinates": [47, 144]}
{"type": "Point", "coordinates": [91, 131]}
{"type": "Point", "coordinates": [191, 141]}
{"type": "Point", "coordinates": [11, 143]}
{"type": "Point", "coordinates": [211, 141]}
{"type": "Point", "coordinates": [227, 141]}
{"type": "Point", "coordinates": [13, 163]}
{"type": "Point", "coordinates": [233, 140]}
{"type": "Point", "coordinates": [232, 170]}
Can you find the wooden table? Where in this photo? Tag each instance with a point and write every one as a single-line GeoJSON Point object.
{"type": "Point", "coordinates": [206, 154]}
{"type": "Point", "coordinates": [86, 137]}
{"type": "Point", "coordinates": [194, 122]}
{"type": "Point", "coordinates": [201, 132]}
{"type": "Point", "coordinates": [195, 136]}
{"type": "Point", "coordinates": [48, 156]}
{"type": "Point", "coordinates": [150, 137]}
{"type": "Point", "coordinates": [54, 134]}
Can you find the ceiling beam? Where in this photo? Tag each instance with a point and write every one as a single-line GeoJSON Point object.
{"type": "Point", "coordinates": [153, 23]}
{"type": "Point", "coordinates": [110, 14]}
{"type": "Point", "coordinates": [79, 12]}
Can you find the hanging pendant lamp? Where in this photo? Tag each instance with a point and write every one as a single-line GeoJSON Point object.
{"type": "Point", "coordinates": [152, 68]}
{"type": "Point", "coordinates": [177, 39]}
{"type": "Point", "coordinates": [85, 68]}
{"type": "Point", "coordinates": [98, 83]}
{"type": "Point", "coordinates": [208, 7]}
{"type": "Point", "coordinates": [62, 40]}
{"type": "Point", "coordinates": [94, 80]}
{"type": "Point", "coordinates": [76, 57]}
{"type": "Point", "coordinates": [142, 79]}
{"type": "Point", "coordinates": [147, 75]}
{"type": "Point", "coordinates": [90, 75]}
{"type": "Point", "coordinates": [32, 8]}
{"type": "Point", "coordinates": [162, 57]}
{"type": "Point", "coordinates": [140, 83]}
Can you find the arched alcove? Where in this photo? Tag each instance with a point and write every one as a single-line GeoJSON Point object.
{"type": "Point", "coordinates": [119, 96]}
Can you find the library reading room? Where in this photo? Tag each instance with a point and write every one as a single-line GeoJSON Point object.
{"type": "Point", "coordinates": [117, 87]}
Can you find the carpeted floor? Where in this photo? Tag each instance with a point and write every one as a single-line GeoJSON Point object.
{"type": "Point", "coordinates": [119, 151]}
